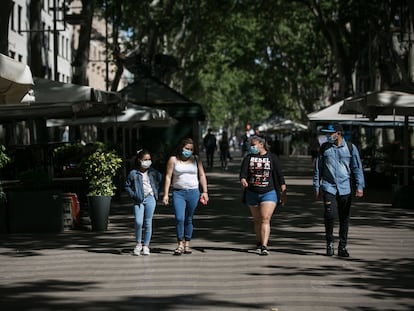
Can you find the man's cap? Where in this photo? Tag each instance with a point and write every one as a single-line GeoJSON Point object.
{"type": "Point", "coordinates": [333, 128]}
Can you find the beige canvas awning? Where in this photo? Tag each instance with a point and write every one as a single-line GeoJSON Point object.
{"type": "Point", "coordinates": [53, 99]}
{"type": "Point", "coordinates": [15, 81]}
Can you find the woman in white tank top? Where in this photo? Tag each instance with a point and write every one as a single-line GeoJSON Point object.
{"type": "Point", "coordinates": [185, 175]}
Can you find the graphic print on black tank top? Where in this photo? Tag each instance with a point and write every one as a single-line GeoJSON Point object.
{"type": "Point", "coordinates": [260, 172]}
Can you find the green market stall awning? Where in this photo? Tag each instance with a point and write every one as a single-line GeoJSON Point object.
{"type": "Point", "coordinates": [151, 92]}
{"type": "Point", "coordinates": [354, 117]}
{"type": "Point", "coordinates": [133, 116]}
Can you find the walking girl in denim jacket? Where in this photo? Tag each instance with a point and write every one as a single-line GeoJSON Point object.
{"type": "Point", "coordinates": [142, 185]}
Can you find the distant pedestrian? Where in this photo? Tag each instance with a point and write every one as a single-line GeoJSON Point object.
{"type": "Point", "coordinates": [142, 185]}
{"type": "Point", "coordinates": [185, 175]}
{"type": "Point", "coordinates": [314, 148]}
{"type": "Point", "coordinates": [337, 167]}
{"type": "Point", "coordinates": [65, 135]}
{"type": "Point", "coordinates": [234, 143]}
{"type": "Point", "coordinates": [245, 140]}
{"type": "Point", "coordinates": [210, 146]}
{"type": "Point", "coordinates": [264, 186]}
{"type": "Point", "coordinates": [224, 150]}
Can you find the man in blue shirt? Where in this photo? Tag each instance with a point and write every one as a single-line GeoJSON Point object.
{"type": "Point", "coordinates": [338, 167]}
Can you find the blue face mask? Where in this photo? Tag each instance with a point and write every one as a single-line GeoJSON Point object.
{"type": "Point", "coordinates": [187, 153]}
{"type": "Point", "coordinates": [331, 139]}
{"type": "Point", "coordinates": [254, 150]}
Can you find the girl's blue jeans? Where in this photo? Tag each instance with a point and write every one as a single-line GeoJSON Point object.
{"type": "Point", "coordinates": [185, 203]}
{"type": "Point", "coordinates": [144, 213]}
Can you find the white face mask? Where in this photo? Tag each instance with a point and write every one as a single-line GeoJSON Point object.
{"type": "Point", "coordinates": [146, 164]}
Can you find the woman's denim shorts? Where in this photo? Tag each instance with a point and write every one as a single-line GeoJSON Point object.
{"type": "Point", "coordinates": [254, 199]}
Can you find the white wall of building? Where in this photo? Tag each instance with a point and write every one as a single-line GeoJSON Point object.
{"type": "Point", "coordinates": [19, 42]}
{"type": "Point", "coordinates": [19, 38]}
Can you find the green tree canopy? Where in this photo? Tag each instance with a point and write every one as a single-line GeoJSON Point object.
{"type": "Point", "coordinates": [244, 60]}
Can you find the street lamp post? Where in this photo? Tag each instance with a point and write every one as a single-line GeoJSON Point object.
{"type": "Point", "coordinates": [55, 42]}
{"type": "Point", "coordinates": [106, 47]}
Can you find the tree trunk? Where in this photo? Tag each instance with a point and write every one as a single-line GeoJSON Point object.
{"type": "Point", "coordinates": [117, 18]}
{"type": "Point", "coordinates": [343, 62]}
{"type": "Point", "coordinates": [36, 39]}
{"type": "Point", "coordinates": [81, 59]}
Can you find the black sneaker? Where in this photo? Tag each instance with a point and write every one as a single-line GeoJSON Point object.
{"type": "Point", "coordinates": [258, 247]}
{"type": "Point", "coordinates": [343, 252]}
{"type": "Point", "coordinates": [330, 249]}
{"type": "Point", "coordinates": [264, 251]}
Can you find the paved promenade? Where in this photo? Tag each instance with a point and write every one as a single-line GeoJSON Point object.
{"type": "Point", "coordinates": [84, 270]}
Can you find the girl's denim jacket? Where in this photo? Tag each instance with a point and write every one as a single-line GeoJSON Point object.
{"type": "Point", "coordinates": [134, 186]}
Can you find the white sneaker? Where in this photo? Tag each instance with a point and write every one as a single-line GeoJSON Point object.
{"type": "Point", "coordinates": [137, 250]}
{"type": "Point", "coordinates": [265, 251]}
{"type": "Point", "coordinates": [145, 250]}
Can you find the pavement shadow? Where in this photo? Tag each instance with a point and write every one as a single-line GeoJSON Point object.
{"type": "Point", "coordinates": [225, 225]}
{"type": "Point", "coordinates": [224, 219]}
{"type": "Point", "coordinates": [45, 295]}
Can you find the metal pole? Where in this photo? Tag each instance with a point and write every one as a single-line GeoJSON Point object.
{"type": "Point", "coordinates": [106, 47]}
{"type": "Point", "coordinates": [406, 145]}
{"type": "Point", "coordinates": [55, 42]}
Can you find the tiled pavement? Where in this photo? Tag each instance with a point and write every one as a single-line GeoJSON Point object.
{"type": "Point", "coordinates": [84, 270]}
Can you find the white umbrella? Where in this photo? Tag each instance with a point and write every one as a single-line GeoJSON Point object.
{"type": "Point", "coordinates": [15, 80]}
{"type": "Point", "coordinates": [290, 126]}
{"type": "Point", "coordinates": [279, 124]}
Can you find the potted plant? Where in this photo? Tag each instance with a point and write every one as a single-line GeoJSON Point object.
{"type": "Point", "coordinates": [4, 159]}
{"type": "Point", "coordinates": [100, 169]}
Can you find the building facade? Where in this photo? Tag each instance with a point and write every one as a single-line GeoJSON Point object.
{"type": "Point", "coordinates": [20, 35]}
{"type": "Point", "coordinates": [101, 69]}
{"type": "Point", "coordinates": [57, 62]}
